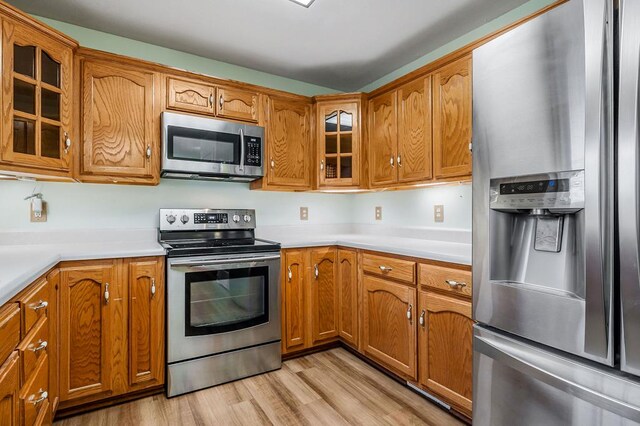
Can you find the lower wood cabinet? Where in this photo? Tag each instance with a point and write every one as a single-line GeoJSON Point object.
{"type": "Point", "coordinates": [389, 324]}
{"type": "Point", "coordinates": [445, 336]}
{"type": "Point", "coordinates": [323, 295]}
{"type": "Point", "coordinates": [10, 391]}
{"type": "Point", "coordinates": [293, 301]}
{"type": "Point", "coordinates": [347, 283]}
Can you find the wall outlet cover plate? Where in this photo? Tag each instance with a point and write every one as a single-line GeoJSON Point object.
{"type": "Point", "coordinates": [438, 213]}
{"type": "Point", "coordinates": [42, 217]}
{"type": "Point", "coordinates": [304, 213]}
{"type": "Point", "coordinates": [378, 213]}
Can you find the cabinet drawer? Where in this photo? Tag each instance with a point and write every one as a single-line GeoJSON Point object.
{"type": "Point", "coordinates": [388, 267]}
{"type": "Point", "coordinates": [34, 347]}
{"type": "Point", "coordinates": [34, 395]}
{"type": "Point", "coordinates": [35, 304]}
{"type": "Point", "coordinates": [9, 329]}
{"type": "Point", "coordinates": [455, 281]}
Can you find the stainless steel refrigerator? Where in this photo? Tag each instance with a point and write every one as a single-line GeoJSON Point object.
{"type": "Point", "coordinates": [556, 218]}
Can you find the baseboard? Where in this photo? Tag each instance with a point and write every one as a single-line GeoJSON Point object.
{"type": "Point", "coordinates": [108, 402]}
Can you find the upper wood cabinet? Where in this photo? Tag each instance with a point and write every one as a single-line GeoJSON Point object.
{"type": "Point", "coordinates": [452, 117]}
{"type": "Point", "coordinates": [190, 96]}
{"type": "Point", "coordinates": [120, 123]}
{"type": "Point", "coordinates": [347, 283]}
{"type": "Point", "coordinates": [288, 153]}
{"type": "Point", "coordinates": [146, 333]}
{"type": "Point", "coordinates": [237, 104]}
{"type": "Point", "coordinates": [414, 131]}
{"type": "Point", "coordinates": [86, 315]}
{"type": "Point", "coordinates": [389, 324]}
{"type": "Point", "coordinates": [37, 69]}
{"type": "Point", "coordinates": [293, 300]}
{"type": "Point", "coordinates": [324, 295]}
{"type": "Point", "coordinates": [338, 143]}
{"type": "Point", "coordinates": [445, 348]}
{"type": "Point", "coordinates": [383, 137]}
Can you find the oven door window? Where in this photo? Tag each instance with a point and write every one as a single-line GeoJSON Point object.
{"type": "Point", "coordinates": [203, 145]}
{"type": "Point", "coordinates": [226, 300]}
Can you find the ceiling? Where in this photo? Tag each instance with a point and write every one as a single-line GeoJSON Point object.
{"type": "Point", "coordinates": [340, 44]}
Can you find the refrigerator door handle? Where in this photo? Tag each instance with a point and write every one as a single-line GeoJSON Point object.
{"type": "Point", "coordinates": [598, 242]}
{"type": "Point", "coordinates": [628, 174]}
{"type": "Point", "coordinates": [512, 356]}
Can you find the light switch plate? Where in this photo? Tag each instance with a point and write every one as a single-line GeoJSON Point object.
{"type": "Point", "coordinates": [438, 213]}
{"type": "Point", "coordinates": [42, 217]}
{"type": "Point", "coordinates": [304, 213]}
{"type": "Point", "coordinates": [379, 213]}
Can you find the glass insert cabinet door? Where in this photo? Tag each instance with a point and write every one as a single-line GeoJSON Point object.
{"type": "Point", "coordinates": [338, 144]}
{"type": "Point", "coordinates": [37, 88]}
{"type": "Point", "coordinates": [226, 300]}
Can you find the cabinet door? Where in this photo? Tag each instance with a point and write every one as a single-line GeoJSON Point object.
{"type": "Point", "coordinates": [452, 116]}
{"type": "Point", "coordinates": [191, 96]}
{"type": "Point", "coordinates": [10, 391]}
{"type": "Point", "coordinates": [338, 144]}
{"type": "Point", "coordinates": [119, 125]}
{"type": "Point", "coordinates": [414, 131]}
{"type": "Point", "coordinates": [288, 140]}
{"type": "Point", "coordinates": [348, 296]}
{"type": "Point", "coordinates": [383, 139]}
{"type": "Point", "coordinates": [445, 348]}
{"type": "Point", "coordinates": [293, 301]}
{"type": "Point", "coordinates": [53, 347]}
{"type": "Point", "coordinates": [390, 325]}
{"type": "Point", "coordinates": [237, 104]}
{"type": "Point", "coordinates": [324, 295]}
{"type": "Point", "coordinates": [85, 330]}
{"type": "Point", "coordinates": [36, 123]}
{"type": "Point", "coordinates": [146, 322]}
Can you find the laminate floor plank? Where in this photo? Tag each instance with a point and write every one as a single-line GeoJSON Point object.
{"type": "Point", "coordinates": [333, 387]}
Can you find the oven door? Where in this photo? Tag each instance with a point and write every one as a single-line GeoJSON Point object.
{"type": "Point", "coordinates": [221, 303]}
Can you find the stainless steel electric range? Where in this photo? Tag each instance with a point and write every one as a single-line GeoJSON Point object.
{"type": "Point", "coordinates": [223, 298]}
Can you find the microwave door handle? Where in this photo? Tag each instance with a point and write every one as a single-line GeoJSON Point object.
{"type": "Point", "coordinates": [241, 149]}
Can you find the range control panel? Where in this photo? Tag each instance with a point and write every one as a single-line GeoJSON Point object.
{"type": "Point", "coordinates": [200, 219]}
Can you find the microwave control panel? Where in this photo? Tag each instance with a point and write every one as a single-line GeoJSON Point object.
{"type": "Point", "coordinates": [253, 151]}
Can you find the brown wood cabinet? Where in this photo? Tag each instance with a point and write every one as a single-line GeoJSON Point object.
{"type": "Point", "coordinates": [338, 142]}
{"type": "Point", "coordinates": [238, 104]}
{"type": "Point", "coordinates": [323, 306]}
{"type": "Point", "coordinates": [86, 316]}
{"type": "Point", "coordinates": [293, 300]}
{"type": "Point", "coordinates": [445, 336]}
{"type": "Point", "coordinates": [347, 283]}
{"type": "Point", "coordinates": [389, 324]}
{"type": "Point", "coordinates": [10, 391]}
{"type": "Point", "coordinates": [191, 96]}
{"type": "Point", "coordinates": [120, 123]}
{"type": "Point", "coordinates": [36, 100]}
{"type": "Point", "coordinates": [53, 341]}
{"type": "Point", "coordinates": [414, 131]}
{"type": "Point", "coordinates": [383, 139]}
{"type": "Point", "coordinates": [452, 117]}
{"type": "Point", "coordinates": [146, 331]}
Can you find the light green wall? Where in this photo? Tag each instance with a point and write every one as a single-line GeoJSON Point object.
{"type": "Point", "coordinates": [137, 49]}
{"type": "Point", "coordinates": [491, 26]}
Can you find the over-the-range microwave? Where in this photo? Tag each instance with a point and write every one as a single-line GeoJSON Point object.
{"type": "Point", "coordinates": [206, 148]}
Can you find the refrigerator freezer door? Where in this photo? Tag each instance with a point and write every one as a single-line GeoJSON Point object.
{"type": "Point", "coordinates": [516, 383]}
{"type": "Point", "coordinates": [543, 106]}
{"type": "Point", "coordinates": [628, 175]}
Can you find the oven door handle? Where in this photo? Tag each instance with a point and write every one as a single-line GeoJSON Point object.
{"type": "Point", "coordinates": [205, 264]}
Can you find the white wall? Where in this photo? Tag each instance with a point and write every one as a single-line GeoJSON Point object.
{"type": "Point", "coordinates": [84, 206]}
{"type": "Point", "coordinates": [415, 207]}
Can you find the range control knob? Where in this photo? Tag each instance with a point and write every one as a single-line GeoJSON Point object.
{"type": "Point", "coordinates": [236, 218]}
{"type": "Point", "coordinates": [171, 218]}
{"type": "Point", "coordinates": [184, 219]}
{"type": "Point", "coordinates": [247, 218]}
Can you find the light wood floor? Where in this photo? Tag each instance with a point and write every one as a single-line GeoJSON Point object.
{"type": "Point", "coordinates": [327, 388]}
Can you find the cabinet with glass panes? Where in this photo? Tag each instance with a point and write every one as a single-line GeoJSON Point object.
{"type": "Point", "coordinates": [338, 144]}
{"type": "Point", "coordinates": [36, 81]}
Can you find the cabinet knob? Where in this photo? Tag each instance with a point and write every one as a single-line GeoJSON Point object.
{"type": "Point", "coordinates": [422, 314]}
{"type": "Point", "coordinates": [221, 102]}
{"type": "Point", "coordinates": [273, 163]}
{"type": "Point", "coordinates": [455, 284]}
{"type": "Point", "coordinates": [40, 305]}
{"type": "Point", "coordinates": [289, 273]}
{"type": "Point", "coordinates": [148, 151]}
{"type": "Point", "coordinates": [391, 161]}
{"type": "Point", "coordinates": [35, 400]}
{"type": "Point", "coordinates": [409, 312]}
{"type": "Point", "coordinates": [67, 142]}
{"type": "Point", "coordinates": [210, 100]}
{"type": "Point", "coordinates": [321, 165]}
{"type": "Point", "coordinates": [399, 161]}
{"type": "Point", "coordinates": [153, 287]}
{"type": "Point", "coordinates": [41, 345]}
{"type": "Point", "coordinates": [316, 271]}
{"type": "Point", "coordinates": [106, 293]}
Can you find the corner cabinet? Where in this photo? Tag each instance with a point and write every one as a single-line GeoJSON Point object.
{"type": "Point", "coordinates": [452, 117]}
{"type": "Point", "coordinates": [324, 295]}
{"type": "Point", "coordinates": [288, 145]}
{"type": "Point", "coordinates": [120, 117]}
{"type": "Point", "coordinates": [37, 133]}
{"type": "Point", "coordinates": [383, 126]}
{"type": "Point", "coordinates": [347, 282]}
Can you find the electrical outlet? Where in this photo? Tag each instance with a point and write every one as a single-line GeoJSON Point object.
{"type": "Point", "coordinates": [379, 213]}
{"type": "Point", "coordinates": [42, 217]}
{"type": "Point", "coordinates": [438, 213]}
{"type": "Point", "coordinates": [304, 213]}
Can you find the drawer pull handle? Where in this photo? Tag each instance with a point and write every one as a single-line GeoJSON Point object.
{"type": "Point", "coordinates": [289, 273]}
{"type": "Point", "coordinates": [409, 312]}
{"type": "Point", "coordinates": [153, 287]}
{"type": "Point", "coordinates": [385, 268]}
{"type": "Point", "coordinates": [35, 401]}
{"type": "Point", "coordinates": [40, 305]}
{"type": "Point", "coordinates": [211, 100]}
{"type": "Point", "coordinates": [106, 293]}
{"type": "Point", "coordinates": [221, 102]}
{"type": "Point", "coordinates": [455, 284]}
{"type": "Point", "coordinates": [316, 271]}
{"type": "Point", "coordinates": [149, 152]}
{"type": "Point", "coordinates": [421, 320]}
{"type": "Point", "coordinates": [41, 345]}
